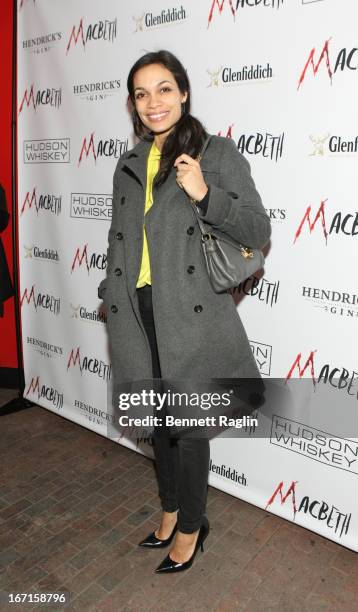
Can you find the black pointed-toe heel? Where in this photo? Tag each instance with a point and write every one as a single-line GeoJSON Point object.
{"type": "Point", "coordinates": [168, 566]}
{"type": "Point", "coordinates": [153, 542]}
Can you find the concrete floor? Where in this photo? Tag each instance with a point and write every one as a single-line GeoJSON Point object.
{"type": "Point", "coordinates": [6, 395]}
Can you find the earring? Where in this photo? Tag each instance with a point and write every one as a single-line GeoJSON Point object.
{"type": "Point", "coordinates": [183, 108]}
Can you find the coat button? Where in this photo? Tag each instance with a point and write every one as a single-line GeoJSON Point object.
{"type": "Point", "coordinates": [198, 308]}
{"type": "Point", "coordinates": [190, 269]}
{"type": "Point", "coordinates": [119, 236]}
{"type": "Point", "coordinates": [114, 308]}
{"type": "Point", "coordinates": [123, 199]}
{"type": "Point", "coordinates": [190, 230]}
{"type": "Point", "coordinates": [118, 272]}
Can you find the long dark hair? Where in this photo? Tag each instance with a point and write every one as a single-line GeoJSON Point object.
{"type": "Point", "coordinates": [188, 135]}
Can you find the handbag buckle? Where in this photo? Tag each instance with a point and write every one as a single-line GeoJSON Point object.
{"type": "Point", "coordinates": [247, 252]}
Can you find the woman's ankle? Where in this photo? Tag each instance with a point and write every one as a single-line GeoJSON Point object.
{"type": "Point", "coordinates": [167, 523]}
{"type": "Point", "coordinates": [169, 515]}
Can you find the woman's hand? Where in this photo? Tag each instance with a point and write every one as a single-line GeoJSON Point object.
{"type": "Point", "coordinates": [189, 177]}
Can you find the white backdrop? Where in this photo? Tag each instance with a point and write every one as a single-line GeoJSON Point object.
{"type": "Point", "coordinates": [279, 77]}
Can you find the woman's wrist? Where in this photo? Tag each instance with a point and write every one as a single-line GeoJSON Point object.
{"type": "Point", "coordinates": [203, 203]}
{"type": "Point", "coordinates": [203, 195]}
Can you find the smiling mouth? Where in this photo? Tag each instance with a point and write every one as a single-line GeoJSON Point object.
{"type": "Point", "coordinates": [157, 116]}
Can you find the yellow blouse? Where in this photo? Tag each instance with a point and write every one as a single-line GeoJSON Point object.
{"type": "Point", "coordinates": [144, 277]}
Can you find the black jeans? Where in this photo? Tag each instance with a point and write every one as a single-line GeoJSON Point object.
{"type": "Point", "coordinates": [182, 465]}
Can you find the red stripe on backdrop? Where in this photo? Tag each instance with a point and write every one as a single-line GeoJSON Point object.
{"type": "Point", "coordinates": [8, 357]}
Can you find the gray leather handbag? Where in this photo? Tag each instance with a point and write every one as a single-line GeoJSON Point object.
{"type": "Point", "coordinates": [228, 262]}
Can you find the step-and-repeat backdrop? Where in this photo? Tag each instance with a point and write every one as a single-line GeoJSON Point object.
{"type": "Point", "coordinates": [279, 77]}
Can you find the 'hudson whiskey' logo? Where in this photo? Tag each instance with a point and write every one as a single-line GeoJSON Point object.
{"type": "Point", "coordinates": [91, 206]}
{"type": "Point", "coordinates": [315, 444]}
{"type": "Point", "coordinates": [263, 355]}
{"type": "Point", "coordinates": [50, 150]}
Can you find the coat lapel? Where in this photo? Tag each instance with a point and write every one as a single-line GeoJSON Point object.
{"type": "Point", "coordinates": [136, 161]}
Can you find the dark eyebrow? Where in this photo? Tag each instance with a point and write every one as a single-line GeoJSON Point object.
{"type": "Point", "coordinates": [161, 83]}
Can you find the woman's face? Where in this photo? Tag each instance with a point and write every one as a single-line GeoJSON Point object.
{"type": "Point", "coordinates": [157, 98]}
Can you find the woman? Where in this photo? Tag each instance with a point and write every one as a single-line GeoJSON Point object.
{"type": "Point", "coordinates": [164, 319]}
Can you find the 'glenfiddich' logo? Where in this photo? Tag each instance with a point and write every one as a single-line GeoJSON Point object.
{"type": "Point", "coordinates": [35, 252]}
{"type": "Point", "coordinates": [334, 145]}
{"type": "Point", "coordinates": [228, 76]}
{"type": "Point", "coordinates": [81, 313]}
{"type": "Point", "coordinates": [149, 20]}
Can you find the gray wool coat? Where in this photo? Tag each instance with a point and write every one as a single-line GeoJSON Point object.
{"type": "Point", "coordinates": [199, 333]}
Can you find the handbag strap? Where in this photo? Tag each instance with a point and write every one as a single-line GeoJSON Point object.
{"type": "Point", "coordinates": [205, 228]}
{"type": "Point", "coordinates": [203, 148]}
{"type": "Point", "coordinates": [196, 209]}
{"type": "Point", "coordinates": [200, 222]}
